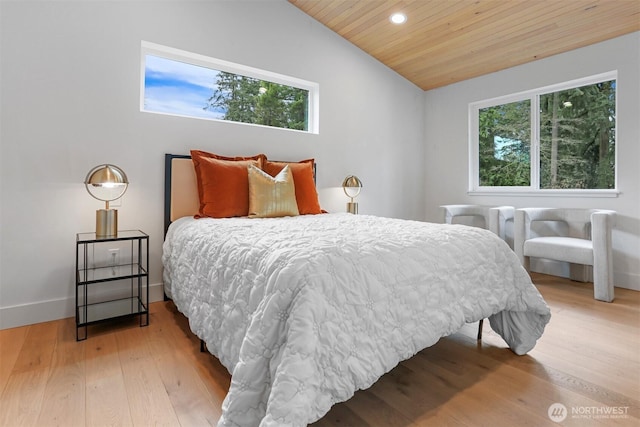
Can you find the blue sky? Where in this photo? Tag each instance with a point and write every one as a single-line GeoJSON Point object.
{"type": "Point", "coordinates": [178, 88]}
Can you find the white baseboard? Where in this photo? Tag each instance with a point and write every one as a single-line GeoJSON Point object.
{"type": "Point", "coordinates": [624, 280]}
{"type": "Point", "coordinates": [627, 280]}
{"type": "Point", "coordinates": [45, 311]}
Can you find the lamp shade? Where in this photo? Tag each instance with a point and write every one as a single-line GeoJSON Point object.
{"type": "Point", "coordinates": [352, 186]}
{"type": "Point", "coordinates": [106, 182]}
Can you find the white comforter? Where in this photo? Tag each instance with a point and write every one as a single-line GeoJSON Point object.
{"type": "Point", "coordinates": [304, 311]}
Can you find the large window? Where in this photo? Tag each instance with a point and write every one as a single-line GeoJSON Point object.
{"type": "Point", "coordinates": [186, 84]}
{"type": "Point", "coordinates": [548, 140]}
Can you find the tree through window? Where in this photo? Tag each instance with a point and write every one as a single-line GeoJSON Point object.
{"type": "Point", "coordinates": [572, 126]}
{"type": "Point", "coordinates": [248, 100]}
{"type": "Point", "coordinates": [505, 145]}
{"type": "Point", "coordinates": [577, 137]}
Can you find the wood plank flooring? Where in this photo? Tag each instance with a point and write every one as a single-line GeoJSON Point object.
{"type": "Point", "coordinates": [587, 360]}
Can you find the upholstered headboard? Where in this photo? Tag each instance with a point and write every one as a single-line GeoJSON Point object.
{"type": "Point", "coordinates": [181, 188]}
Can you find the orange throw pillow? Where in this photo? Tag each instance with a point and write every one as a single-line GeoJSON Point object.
{"type": "Point", "coordinates": [223, 183]}
{"type": "Point", "coordinates": [306, 194]}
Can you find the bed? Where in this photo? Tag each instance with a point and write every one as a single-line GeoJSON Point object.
{"type": "Point", "coordinates": [305, 310]}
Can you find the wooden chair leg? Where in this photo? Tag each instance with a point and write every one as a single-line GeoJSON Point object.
{"type": "Point", "coordinates": [480, 329]}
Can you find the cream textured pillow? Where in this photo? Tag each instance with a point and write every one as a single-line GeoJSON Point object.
{"type": "Point", "coordinates": [271, 197]}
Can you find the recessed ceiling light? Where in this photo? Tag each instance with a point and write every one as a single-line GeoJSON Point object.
{"type": "Point", "coordinates": [398, 18]}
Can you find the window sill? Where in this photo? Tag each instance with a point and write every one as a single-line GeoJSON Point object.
{"type": "Point", "coordinates": [545, 193]}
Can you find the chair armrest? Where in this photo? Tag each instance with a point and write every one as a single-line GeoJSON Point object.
{"type": "Point", "coordinates": [601, 224]}
{"type": "Point", "coordinates": [498, 218]}
{"type": "Point", "coordinates": [522, 226]}
{"type": "Point", "coordinates": [521, 233]}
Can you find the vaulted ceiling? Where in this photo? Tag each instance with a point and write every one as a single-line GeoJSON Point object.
{"type": "Point", "coordinates": [446, 41]}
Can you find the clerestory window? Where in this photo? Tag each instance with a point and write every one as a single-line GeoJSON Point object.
{"type": "Point", "coordinates": [185, 84]}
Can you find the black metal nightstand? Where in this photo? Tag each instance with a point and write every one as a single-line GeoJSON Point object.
{"type": "Point", "coordinates": [121, 261]}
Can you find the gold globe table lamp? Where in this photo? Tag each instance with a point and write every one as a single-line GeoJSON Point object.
{"type": "Point", "coordinates": [352, 186]}
{"type": "Point", "coordinates": [106, 183]}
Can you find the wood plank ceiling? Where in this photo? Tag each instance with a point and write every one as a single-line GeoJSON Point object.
{"type": "Point", "coordinates": [446, 41]}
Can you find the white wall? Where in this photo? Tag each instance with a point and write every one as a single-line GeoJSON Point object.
{"type": "Point", "coordinates": [70, 76]}
{"type": "Point", "coordinates": [446, 124]}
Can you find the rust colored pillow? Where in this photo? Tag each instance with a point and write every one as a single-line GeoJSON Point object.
{"type": "Point", "coordinates": [223, 183]}
{"type": "Point", "coordinates": [260, 158]}
{"type": "Point", "coordinates": [306, 194]}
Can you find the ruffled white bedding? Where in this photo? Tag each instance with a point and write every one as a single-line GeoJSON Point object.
{"type": "Point", "coordinates": [303, 311]}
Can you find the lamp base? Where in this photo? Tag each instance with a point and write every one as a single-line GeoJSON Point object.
{"type": "Point", "coordinates": [106, 223]}
{"type": "Point", "coordinates": [352, 207]}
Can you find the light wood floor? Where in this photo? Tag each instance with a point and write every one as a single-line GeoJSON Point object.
{"type": "Point", "coordinates": [588, 360]}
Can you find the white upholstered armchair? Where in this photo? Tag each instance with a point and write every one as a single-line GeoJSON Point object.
{"type": "Point", "coordinates": [581, 237]}
{"type": "Point", "coordinates": [488, 217]}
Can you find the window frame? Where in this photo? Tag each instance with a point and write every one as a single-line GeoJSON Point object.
{"type": "Point", "coordinates": [533, 96]}
{"type": "Point", "coordinates": [148, 48]}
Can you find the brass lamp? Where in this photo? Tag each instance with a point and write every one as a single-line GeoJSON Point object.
{"type": "Point", "coordinates": [106, 183]}
{"type": "Point", "coordinates": [352, 186]}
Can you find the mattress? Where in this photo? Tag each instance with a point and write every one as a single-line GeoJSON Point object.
{"type": "Point", "coordinates": [304, 311]}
